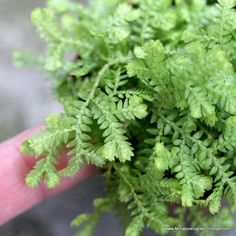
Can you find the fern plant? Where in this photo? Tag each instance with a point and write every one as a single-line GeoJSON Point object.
{"type": "Point", "coordinates": [149, 95]}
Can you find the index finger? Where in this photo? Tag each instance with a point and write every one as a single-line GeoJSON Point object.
{"type": "Point", "coordinates": [15, 196]}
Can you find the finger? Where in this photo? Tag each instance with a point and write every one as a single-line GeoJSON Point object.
{"type": "Point", "coordinates": [15, 196]}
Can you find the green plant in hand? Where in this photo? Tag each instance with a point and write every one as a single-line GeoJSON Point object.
{"type": "Point", "coordinates": [149, 95]}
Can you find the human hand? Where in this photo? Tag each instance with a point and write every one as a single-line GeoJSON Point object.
{"type": "Point", "coordinates": [15, 196]}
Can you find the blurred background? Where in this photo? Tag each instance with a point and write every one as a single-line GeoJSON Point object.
{"type": "Point", "coordinates": [25, 101]}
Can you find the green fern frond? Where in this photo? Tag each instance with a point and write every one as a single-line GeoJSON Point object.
{"type": "Point", "coordinates": [44, 168]}
{"type": "Point", "coordinates": [116, 144]}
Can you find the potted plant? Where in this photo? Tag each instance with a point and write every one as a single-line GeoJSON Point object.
{"type": "Point", "coordinates": [149, 95]}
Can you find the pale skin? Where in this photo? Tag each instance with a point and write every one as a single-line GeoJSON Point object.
{"type": "Point", "coordinates": [15, 196]}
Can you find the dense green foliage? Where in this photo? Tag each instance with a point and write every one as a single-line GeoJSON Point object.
{"type": "Point", "coordinates": [149, 95]}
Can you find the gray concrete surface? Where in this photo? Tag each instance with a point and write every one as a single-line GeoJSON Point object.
{"type": "Point", "coordinates": [25, 96]}
{"type": "Point", "coordinates": [25, 100]}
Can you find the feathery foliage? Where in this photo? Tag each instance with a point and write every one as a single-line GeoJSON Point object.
{"type": "Point", "coordinates": [149, 95]}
